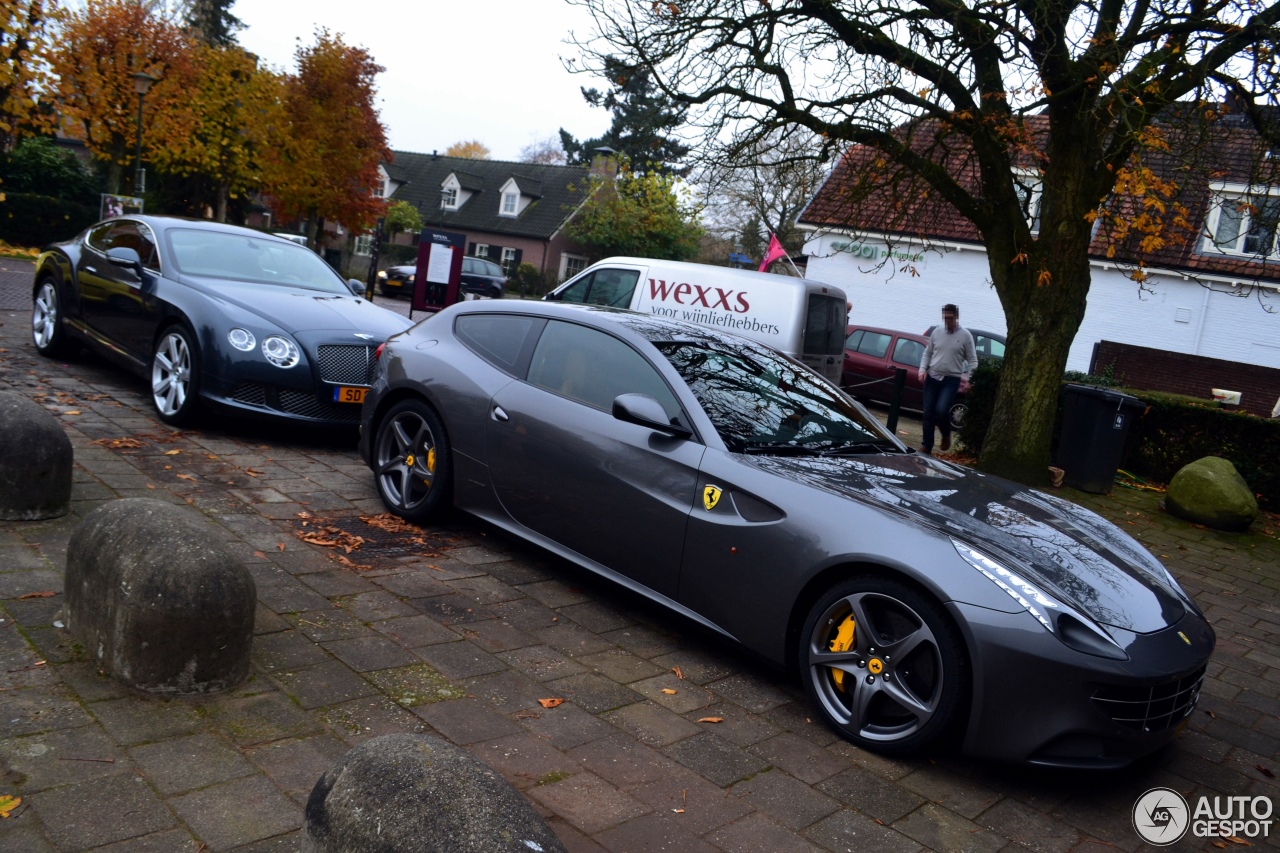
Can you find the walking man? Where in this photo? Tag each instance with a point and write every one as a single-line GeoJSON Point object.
{"type": "Point", "coordinates": [947, 360]}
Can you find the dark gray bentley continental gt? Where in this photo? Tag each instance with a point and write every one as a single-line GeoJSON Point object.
{"type": "Point", "coordinates": [918, 599]}
{"type": "Point", "coordinates": [249, 322]}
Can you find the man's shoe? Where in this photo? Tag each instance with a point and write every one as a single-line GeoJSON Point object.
{"type": "Point", "coordinates": [946, 442]}
{"type": "Point", "coordinates": [927, 451]}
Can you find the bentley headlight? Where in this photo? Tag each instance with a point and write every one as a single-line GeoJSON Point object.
{"type": "Point", "coordinates": [281, 352]}
{"type": "Point", "coordinates": [1074, 629]}
{"type": "Point", "coordinates": [241, 339]}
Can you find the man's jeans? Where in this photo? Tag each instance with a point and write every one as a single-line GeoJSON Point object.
{"type": "Point", "coordinates": [939, 394]}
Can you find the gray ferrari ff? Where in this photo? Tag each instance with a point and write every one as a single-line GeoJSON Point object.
{"type": "Point", "coordinates": [249, 322]}
{"type": "Point", "coordinates": [918, 599]}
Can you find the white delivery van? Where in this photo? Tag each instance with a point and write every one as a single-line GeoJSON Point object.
{"type": "Point", "coordinates": [801, 318]}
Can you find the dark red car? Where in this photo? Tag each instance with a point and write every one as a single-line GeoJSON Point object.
{"type": "Point", "coordinates": [871, 357]}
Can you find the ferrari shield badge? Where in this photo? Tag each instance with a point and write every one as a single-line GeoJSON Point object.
{"type": "Point", "coordinates": [711, 497]}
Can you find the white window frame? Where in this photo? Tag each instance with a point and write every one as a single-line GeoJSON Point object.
{"type": "Point", "coordinates": [449, 198]}
{"type": "Point", "coordinates": [482, 251]}
{"type": "Point", "coordinates": [565, 260]}
{"type": "Point", "coordinates": [508, 260]}
{"type": "Point", "coordinates": [1240, 196]}
{"type": "Point", "coordinates": [363, 246]}
{"type": "Point", "coordinates": [510, 204]}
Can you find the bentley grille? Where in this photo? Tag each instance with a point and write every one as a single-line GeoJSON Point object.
{"type": "Point", "coordinates": [345, 364]}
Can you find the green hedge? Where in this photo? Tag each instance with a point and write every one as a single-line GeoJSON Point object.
{"type": "Point", "coordinates": [1172, 432]}
{"type": "Point", "coordinates": [27, 219]}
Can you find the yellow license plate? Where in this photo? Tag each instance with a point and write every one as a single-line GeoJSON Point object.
{"type": "Point", "coordinates": [346, 394]}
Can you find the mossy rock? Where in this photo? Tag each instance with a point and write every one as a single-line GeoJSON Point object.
{"type": "Point", "coordinates": [1211, 492]}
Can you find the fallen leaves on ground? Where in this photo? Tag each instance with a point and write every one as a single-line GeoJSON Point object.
{"type": "Point", "coordinates": [188, 477]}
{"type": "Point", "coordinates": [351, 564]}
{"type": "Point", "coordinates": [668, 691]}
{"type": "Point", "coordinates": [8, 804]}
{"type": "Point", "coordinates": [119, 443]}
{"type": "Point", "coordinates": [1265, 771]}
{"type": "Point", "coordinates": [46, 594]}
{"type": "Point", "coordinates": [390, 523]}
{"type": "Point", "coordinates": [679, 674]}
{"type": "Point", "coordinates": [172, 452]}
{"type": "Point", "coordinates": [711, 720]}
{"type": "Point", "coordinates": [332, 537]}
{"type": "Point", "coordinates": [550, 703]}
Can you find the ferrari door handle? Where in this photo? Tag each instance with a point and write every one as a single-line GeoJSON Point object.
{"type": "Point", "coordinates": [499, 415]}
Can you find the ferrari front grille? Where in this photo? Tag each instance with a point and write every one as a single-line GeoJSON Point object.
{"type": "Point", "coordinates": [345, 364]}
{"type": "Point", "coordinates": [1151, 709]}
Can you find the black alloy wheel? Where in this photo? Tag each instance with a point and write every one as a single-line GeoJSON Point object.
{"type": "Point", "coordinates": [884, 665]}
{"type": "Point", "coordinates": [413, 466]}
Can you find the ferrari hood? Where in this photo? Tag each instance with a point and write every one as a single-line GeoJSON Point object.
{"type": "Point", "coordinates": [1072, 552]}
{"type": "Point", "coordinates": [309, 311]}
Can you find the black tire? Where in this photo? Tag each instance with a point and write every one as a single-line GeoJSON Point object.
{"type": "Point", "coordinates": [957, 415]}
{"type": "Point", "coordinates": [175, 375]}
{"type": "Point", "coordinates": [47, 331]}
{"type": "Point", "coordinates": [412, 463]}
{"type": "Point", "coordinates": [918, 693]}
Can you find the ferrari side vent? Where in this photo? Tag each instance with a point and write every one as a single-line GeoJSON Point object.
{"type": "Point", "coordinates": [308, 405]}
{"type": "Point", "coordinates": [345, 364]}
{"type": "Point", "coordinates": [1151, 709]}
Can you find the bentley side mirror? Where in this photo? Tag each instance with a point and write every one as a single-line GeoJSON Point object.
{"type": "Point", "coordinates": [356, 286]}
{"type": "Point", "coordinates": [647, 412]}
{"type": "Point", "coordinates": [123, 256]}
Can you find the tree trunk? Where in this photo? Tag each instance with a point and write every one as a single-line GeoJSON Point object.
{"type": "Point", "coordinates": [1042, 316]}
{"type": "Point", "coordinates": [313, 228]}
{"type": "Point", "coordinates": [220, 213]}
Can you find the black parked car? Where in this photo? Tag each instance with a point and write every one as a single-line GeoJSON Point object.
{"type": "Point", "coordinates": [213, 313]}
{"type": "Point", "coordinates": [917, 600]}
{"type": "Point", "coordinates": [479, 277]}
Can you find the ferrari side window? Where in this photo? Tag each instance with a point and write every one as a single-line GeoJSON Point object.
{"type": "Point", "coordinates": [499, 339]}
{"type": "Point", "coordinates": [593, 368]}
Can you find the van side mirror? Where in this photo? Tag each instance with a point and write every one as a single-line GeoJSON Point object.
{"type": "Point", "coordinates": [123, 256]}
{"type": "Point", "coordinates": [645, 411]}
{"type": "Point", "coordinates": [553, 296]}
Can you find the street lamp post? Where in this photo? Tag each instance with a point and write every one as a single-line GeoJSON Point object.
{"type": "Point", "coordinates": [142, 83]}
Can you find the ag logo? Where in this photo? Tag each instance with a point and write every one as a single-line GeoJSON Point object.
{"type": "Point", "coordinates": [1161, 817]}
{"type": "Point", "coordinates": [711, 496]}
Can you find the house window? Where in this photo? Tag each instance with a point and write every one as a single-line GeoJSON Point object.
{"type": "Point", "coordinates": [509, 202]}
{"type": "Point", "coordinates": [571, 265]}
{"type": "Point", "coordinates": [508, 261]}
{"type": "Point", "coordinates": [482, 250]}
{"type": "Point", "coordinates": [449, 198]}
{"type": "Point", "coordinates": [1242, 223]}
{"type": "Point", "coordinates": [364, 245]}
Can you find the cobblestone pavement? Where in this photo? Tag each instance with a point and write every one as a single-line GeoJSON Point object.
{"type": "Point", "coordinates": [462, 632]}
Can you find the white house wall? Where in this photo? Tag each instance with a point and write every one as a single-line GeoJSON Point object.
{"type": "Point", "coordinates": [1179, 316]}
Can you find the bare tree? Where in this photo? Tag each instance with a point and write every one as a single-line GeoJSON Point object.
{"type": "Point", "coordinates": [545, 150]}
{"type": "Point", "coordinates": [965, 104]}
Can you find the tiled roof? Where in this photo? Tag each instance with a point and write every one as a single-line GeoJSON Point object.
{"type": "Point", "coordinates": [557, 192]}
{"type": "Point", "coordinates": [862, 195]}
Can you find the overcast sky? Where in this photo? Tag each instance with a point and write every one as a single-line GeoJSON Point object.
{"type": "Point", "coordinates": [467, 69]}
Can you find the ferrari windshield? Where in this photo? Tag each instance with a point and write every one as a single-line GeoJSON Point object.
{"type": "Point", "coordinates": [760, 401]}
{"type": "Point", "coordinates": [259, 260]}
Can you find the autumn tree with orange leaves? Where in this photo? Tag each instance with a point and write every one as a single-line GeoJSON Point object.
{"type": "Point", "coordinates": [24, 42]}
{"type": "Point", "coordinates": [323, 162]}
{"type": "Point", "coordinates": [98, 50]}
{"type": "Point", "coordinates": [223, 127]}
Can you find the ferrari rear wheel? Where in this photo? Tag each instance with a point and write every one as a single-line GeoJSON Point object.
{"type": "Point", "coordinates": [884, 664]}
{"type": "Point", "coordinates": [175, 375]}
{"type": "Point", "coordinates": [46, 321]}
{"type": "Point", "coordinates": [413, 467]}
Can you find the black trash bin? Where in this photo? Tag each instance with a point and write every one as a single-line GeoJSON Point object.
{"type": "Point", "coordinates": [1095, 423]}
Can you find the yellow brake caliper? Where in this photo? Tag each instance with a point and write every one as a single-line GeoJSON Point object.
{"type": "Point", "coordinates": [842, 642]}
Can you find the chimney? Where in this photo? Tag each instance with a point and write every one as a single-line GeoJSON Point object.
{"type": "Point", "coordinates": [604, 163]}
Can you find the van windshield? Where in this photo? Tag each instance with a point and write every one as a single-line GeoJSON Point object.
{"type": "Point", "coordinates": [824, 325]}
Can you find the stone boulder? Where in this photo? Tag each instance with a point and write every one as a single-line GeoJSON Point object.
{"type": "Point", "coordinates": [35, 461]}
{"type": "Point", "coordinates": [1211, 492]}
{"type": "Point", "coordinates": [407, 792]}
{"type": "Point", "coordinates": [156, 597]}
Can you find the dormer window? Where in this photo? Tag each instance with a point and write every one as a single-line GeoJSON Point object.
{"type": "Point", "coordinates": [510, 203]}
{"type": "Point", "coordinates": [1243, 220]}
{"type": "Point", "coordinates": [449, 198]}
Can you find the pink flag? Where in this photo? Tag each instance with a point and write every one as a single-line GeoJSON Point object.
{"type": "Point", "coordinates": [774, 252]}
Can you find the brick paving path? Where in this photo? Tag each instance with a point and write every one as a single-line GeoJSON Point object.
{"type": "Point", "coordinates": [462, 634]}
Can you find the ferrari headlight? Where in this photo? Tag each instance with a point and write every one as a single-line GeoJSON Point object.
{"type": "Point", "coordinates": [1074, 629]}
{"type": "Point", "coordinates": [280, 351]}
{"type": "Point", "coordinates": [241, 339]}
